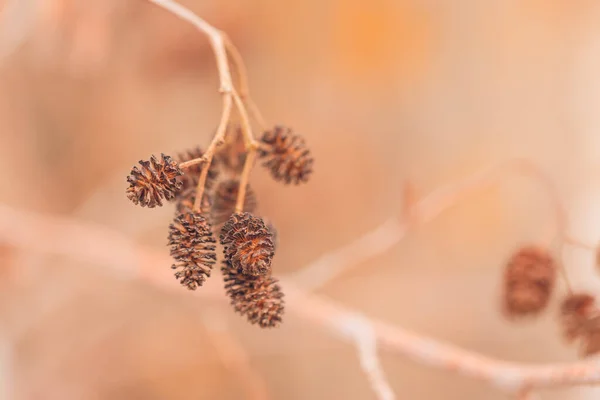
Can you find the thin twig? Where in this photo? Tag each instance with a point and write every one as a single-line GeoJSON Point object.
{"type": "Point", "coordinates": [249, 140]}
{"type": "Point", "coordinates": [525, 394]}
{"type": "Point", "coordinates": [234, 357]}
{"type": "Point", "coordinates": [214, 35]}
{"type": "Point", "coordinates": [580, 243]}
{"type": "Point", "coordinates": [99, 245]}
{"type": "Point", "coordinates": [220, 43]}
{"type": "Point", "coordinates": [210, 151]}
{"type": "Point", "coordinates": [243, 87]}
{"type": "Point", "coordinates": [244, 177]}
{"type": "Point", "coordinates": [334, 263]}
{"type": "Point", "coordinates": [18, 18]}
{"type": "Point", "coordinates": [361, 331]}
{"type": "Point", "coordinates": [430, 207]}
{"type": "Point", "coordinates": [251, 149]}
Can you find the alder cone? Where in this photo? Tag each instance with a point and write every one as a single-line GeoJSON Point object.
{"type": "Point", "coordinates": [193, 247]}
{"type": "Point", "coordinates": [154, 181]}
{"type": "Point", "coordinates": [274, 234]}
{"type": "Point", "coordinates": [259, 298]}
{"type": "Point", "coordinates": [285, 154]}
{"type": "Point", "coordinates": [248, 244]}
{"type": "Point", "coordinates": [225, 198]}
{"type": "Point", "coordinates": [185, 203]}
{"type": "Point", "coordinates": [580, 321]}
{"type": "Point", "coordinates": [529, 280]}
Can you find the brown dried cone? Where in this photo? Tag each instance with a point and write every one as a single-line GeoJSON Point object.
{"type": "Point", "coordinates": [185, 203]}
{"type": "Point", "coordinates": [232, 154]}
{"type": "Point", "coordinates": [528, 281]}
{"type": "Point", "coordinates": [248, 244]}
{"type": "Point", "coordinates": [190, 179]}
{"type": "Point", "coordinates": [580, 320]}
{"type": "Point", "coordinates": [286, 155]}
{"type": "Point", "coordinates": [153, 181]}
{"type": "Point", "coordinates": [225, 197]}
{"type": "Point", "coordinates": [274, 234]}
{"type": "Point", "coordinates": [193, 248]}
{"type": "Point", "coordinates": [259, 298]}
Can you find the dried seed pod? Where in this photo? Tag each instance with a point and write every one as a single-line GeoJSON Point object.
{"type": "Point", "coordinates": [190, 179]}
{"type": "Point", "coordinates": [580, 319]}
{"type": "Point", "coordinates": [528, 281]}
{"type": "Point", "coordinates": [259, 298]}
{"type": "Point", "coordinates": [286, 155]}
{"type": "Point", "coordinates": [193, 248]}
{"type": "Point", "coordinates": [154, 181]}
{"type": "Point", "coordinates": [225, 197]}
{"type": "Point", "coordinates": [185, 203]}
{"type": "Point", "coordinates": [232, 154]}
{"type": "Point", "coordinates": [574, 311]}
{"type": "Point", "coordinates": [248, 244]}
{"type": "Point", "coordinates": [274, 234]}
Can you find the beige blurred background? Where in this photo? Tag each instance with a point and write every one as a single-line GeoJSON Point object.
{"type": "Point", "coordinates": [384, 91]}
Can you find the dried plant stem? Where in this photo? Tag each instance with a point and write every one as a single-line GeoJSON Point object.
{"type": "Point", "coordinates": [221, 44]}
{"type": "Point", "coordinates": [525, 394]}
{"type": "Point", "coordinates": [214, 35]}
{"type": "Point", "coordinates": [427, 209]}
{"type": "Point", "coordinates": [234, 357]}
{"type": "Point", "coordinates": [226, 87]}
{"type": "Point", "coordinates": [372, 244]}
{"type": "Point", "coordinates": [249, 140]}
{"type": "Point", "coordinates": [243, 87]}
{"type": "Point", "coordinates": [99, 245]}
{"type": "Point", "coordinates": [580, 243]}
{"type": "Point", "coordinates": [244, 177]}
{"type": "Point", "coordinates": [210, 151]}
{"type": "Point", "coordinates": [360, 329]}
{"type": "Point", "coordinates": [18, 23]}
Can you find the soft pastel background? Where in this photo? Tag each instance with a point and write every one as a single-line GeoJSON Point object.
{"type": "Point", "coordinates": [384, 91]}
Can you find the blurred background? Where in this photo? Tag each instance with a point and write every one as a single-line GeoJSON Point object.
{"type": "Point", "coordinates": [384, 91]}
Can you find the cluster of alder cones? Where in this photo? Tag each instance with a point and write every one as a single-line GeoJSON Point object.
{"type": "Point", "coordinates": [248, 241]}
{"type": "Point", "coordinates": [529, 283]}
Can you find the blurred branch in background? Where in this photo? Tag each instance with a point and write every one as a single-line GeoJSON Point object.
{"type": "Point", "coordinates": [44, 234]}
{"type": "Point", "coordinates": [415, 213]}
{"type": "Point", "coordinates": [234, 357]}
{"type": "Point", "coordinates": [361, 330]}
{"type": "Point", "coordinates": [17, 19]}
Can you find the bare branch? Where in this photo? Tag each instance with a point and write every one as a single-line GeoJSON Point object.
{"type": "Point", "coordinates": [359, 328]}
{"type": "Point", "coordinates": [391, 232]}
{"type": "Point", "coordinates": [234, 357]}
{"type": "Point", "coordinates": [96, 244]}
{"type": "Point", "coordinates": [18, 19]}
{"type": "Point", "coordinates": [334, 263]}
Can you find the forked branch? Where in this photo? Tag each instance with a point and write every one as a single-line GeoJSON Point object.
{"type": "Point", "coordinates": [88, 243]}
{"type": "Point", "coordinates": [220, 44]}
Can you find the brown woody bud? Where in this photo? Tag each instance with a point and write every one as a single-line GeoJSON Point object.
{"type": "Point", "coordinates": [580, 320]}
{"type": "Point", "coordinates": [154, 181]}
{"type": "Point", "coordinates": [528, 281]}
{"type": "Point", "coordinates": [286, 155]}
{"type": "Point", "coordinates": [193, 247]}
{"type": "Point", "coordinates": [258, 298]}
{"type": "Point", "coordinates": [248, 244]}
{"type": "Point", "coordinates": [225, 197]}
